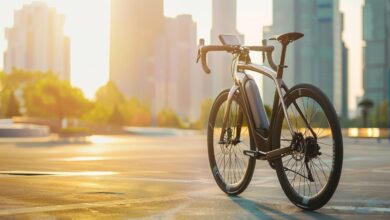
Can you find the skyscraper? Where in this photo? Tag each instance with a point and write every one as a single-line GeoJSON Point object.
{"type": "Point", "coordinates": [317, 58]}
{"type": "Point", "coordinates": [135, 27]}
{"type": "Point", "coordinates": [37, 41]}
{"type": "Point", "coordinates": [179, 80]}
{"type": "Point", "coordinates": [224, 21]}
{"type": "Point", "coordinates": [345, 80]}
{"type": "Point", "coordinates": [376, 34]}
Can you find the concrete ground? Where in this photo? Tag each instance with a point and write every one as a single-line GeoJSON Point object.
{"type": "Point", "coordinates": [126, 177]}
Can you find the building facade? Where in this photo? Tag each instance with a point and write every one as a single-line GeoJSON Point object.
{"type": "Point", "coordinates": [376, 52]}
{"type": "Point", "coordinates": [180, 83]}
{"type": "Point", "coordinates": [37, 41]}
{"type": "Point", "coordinates": [224, 21]}
{"type": "Point", "coordinates": [345, 93]}
{"type": "Point", "coordinates": [152, 57]}
{"type": "Point", "coordinates": [135, 28]}
{"type": "Point", "coordinates": [317, 58]}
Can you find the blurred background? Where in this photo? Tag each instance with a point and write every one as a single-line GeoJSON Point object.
{"type": "Point", "coordinates": [82, 67]}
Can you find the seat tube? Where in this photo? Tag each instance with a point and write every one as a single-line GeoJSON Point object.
{"type": "Point", "coordinates": [282, 59]}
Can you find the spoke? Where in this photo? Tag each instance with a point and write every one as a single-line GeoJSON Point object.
{"type": "Point", "coordinates": [315, 182]}
{"type": "Point", "coordinates": [297, 173]}
{"type": "Point", "coordinates": [319, 125]}
{"type": "Point", "coordinates": [306, 112]}
{"type": "Point", "coordinates": [315, 170]}
{"type": "Point", "coordinates": [319, 142]}
{"type": "Point", "coordinates": [289, 140]}
{"type": "Point", "coordinates": [322, 169]}
{"type": "Point", "coordinates": [325, 154]}
{"type": "Point", "coordinates": [321, 161]}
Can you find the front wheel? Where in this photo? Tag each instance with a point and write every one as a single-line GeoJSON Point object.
{"type": "Point", "coordinates": [309, 175]}
{"type": "Point", "coordinates": [232, 170]}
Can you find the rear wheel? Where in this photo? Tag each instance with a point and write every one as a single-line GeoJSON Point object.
{"type": "Point", "coordinates": [232, 170]}
{"type": "Point", "coordinates": [309, 175]}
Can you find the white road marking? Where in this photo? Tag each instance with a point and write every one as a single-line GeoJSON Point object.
{"type": "Point", "coordinates": [204, 181]}
{"type": "Point", "coordinates": [54, 173]}
{"type": "Point", "coordinates": [359, 209]}
{"type": "Point", "coordinates": [89, 205]}
{"type": "Point", "coordinates": [382, 170]}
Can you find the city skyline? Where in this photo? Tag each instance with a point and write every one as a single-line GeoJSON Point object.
{"type": "Point", "coordinates": [173, 8]}
{"type": "Point", "coordinates": [376, 33]}
{"type": "Point", "coordinates": [317, 58]}
{"type": "Point", "coordinates": [37, 42]}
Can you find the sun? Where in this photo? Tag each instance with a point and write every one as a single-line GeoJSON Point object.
{"type": "Point", "coordinates": [87, 25]}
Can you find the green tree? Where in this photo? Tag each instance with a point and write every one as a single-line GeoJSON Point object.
{"type": "Point", "coordinates": [109, 94]}
{"type": "Point", "coordinates": [107, 97]}
{"type": "Point", "coordinates": [138, 113]}
{"type": "Point", "coordinates": [381, 115]}
{"type": "Point", "coordinates": [365, 105]}
{"type": "Point", "coordinates": [99, 113]}
{"type": "Point", "coordinates": [116, 117]}
{"type": "Point", "coordinates": [51, 97]}
{"type": "Point", "coordinates": [168, 118]}
{"type": "Point", "coordinates": [17, 80]}
{"type": "Point", "coordinates": [3, 93]}
{"type": "Point", "coordinates": [12, 108]}
{"type": "Point", "coordinates": [111, 106]}
{"type": "Point", "coordinates": [205, 108]}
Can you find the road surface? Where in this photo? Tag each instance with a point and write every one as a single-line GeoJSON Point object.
{"type": "Point", "coordinates": [168, 177]}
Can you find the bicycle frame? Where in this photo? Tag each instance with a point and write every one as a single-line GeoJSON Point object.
{"type": "Point", "coordinates": [239, 75]}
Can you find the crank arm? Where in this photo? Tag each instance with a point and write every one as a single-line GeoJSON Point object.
{"type": "Point", "coordinates": [270, 155]}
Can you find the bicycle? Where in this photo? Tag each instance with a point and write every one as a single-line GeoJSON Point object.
{"type": "Point", "coordinates": [302, 140]}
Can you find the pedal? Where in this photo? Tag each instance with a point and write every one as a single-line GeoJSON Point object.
{"type": "Point", "coordinates": [255, 154]}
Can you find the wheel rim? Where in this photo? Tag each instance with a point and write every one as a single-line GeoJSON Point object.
{"type": "Point", "coordinates": [309, 166]}
{"type": "Point", "coordinates": [230, 161]}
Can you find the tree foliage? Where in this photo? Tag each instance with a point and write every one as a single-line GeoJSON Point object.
{"type": "Point", "coordinates": [116, 117]}
{"type": "Point", "coordinates": [12, 108]}
{"type": "Point", "coordinates": [52, 97]}
{"type": "Point", "coordinates": [205, 108]}
{"type": "Point", "coordinates": [112, 107]}
{"type": "Point", "coordinates": [365, 106]}
{"type": "Point", "coordinates": [168, 118]}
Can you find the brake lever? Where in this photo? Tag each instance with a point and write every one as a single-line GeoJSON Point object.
{"type": "Point", "coordinates": [264, 43]}
{"type": "Point", "coordinates": [201, 44]}
{"type": "Point", "coordinates": [198, 57]}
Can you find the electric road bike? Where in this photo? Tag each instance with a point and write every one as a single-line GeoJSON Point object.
{"type": "Point", "coordinates": [301, 139]}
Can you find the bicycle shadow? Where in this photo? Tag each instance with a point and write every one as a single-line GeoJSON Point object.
{"type": "Point", "coordinates": [261, 211]}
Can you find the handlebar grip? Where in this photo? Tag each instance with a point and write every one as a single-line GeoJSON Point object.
{"type": "Point", "coordinates": [205, 49]}
{"type": "Point", "coordinates": [204, 63]}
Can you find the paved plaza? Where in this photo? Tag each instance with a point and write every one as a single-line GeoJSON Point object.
{"type": "Point", "coordinates": [168, 177]}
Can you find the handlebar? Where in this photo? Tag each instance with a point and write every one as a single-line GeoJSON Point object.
{"type": "Point", "coordinates": [203, 50]}
{"type": "Point", "coordinates": [268, 50]}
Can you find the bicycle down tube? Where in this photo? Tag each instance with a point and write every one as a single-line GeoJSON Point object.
{"type": "Point", "coordinates": [236, 66]}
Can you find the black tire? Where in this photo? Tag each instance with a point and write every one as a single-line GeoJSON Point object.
{"type": "Point", "coordinates": [232, 170]}
{"type": "Point", "coordinates": [318, 163]}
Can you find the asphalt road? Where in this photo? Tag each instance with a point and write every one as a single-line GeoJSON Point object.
{"type": "Point", "coordinates": [126, 177]}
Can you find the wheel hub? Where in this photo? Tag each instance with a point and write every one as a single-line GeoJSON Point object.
{"type": "Point", "coordinates": [312, 148]}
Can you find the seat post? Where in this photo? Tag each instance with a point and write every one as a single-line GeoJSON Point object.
{"type": "Point", "coordinates": [282, 58]}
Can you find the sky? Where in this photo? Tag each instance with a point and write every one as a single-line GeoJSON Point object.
{"type": "Point", "coordinates": [88, 28]}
